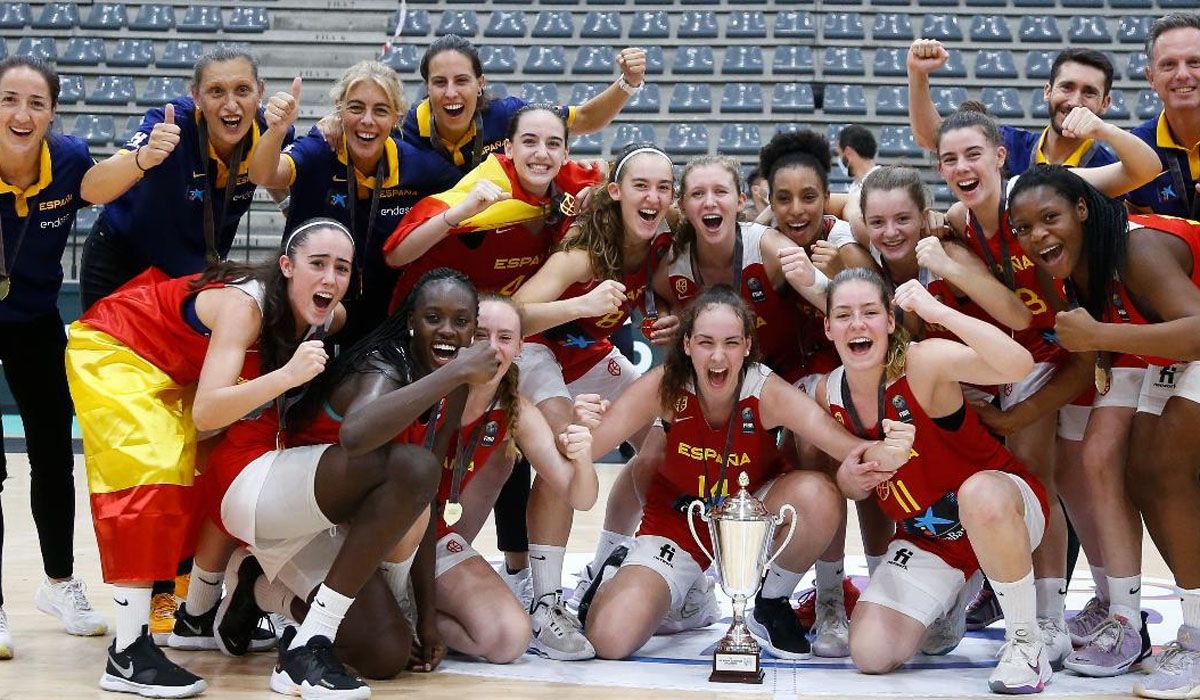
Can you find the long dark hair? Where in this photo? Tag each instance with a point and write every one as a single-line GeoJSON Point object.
{"type": "Point", "coordinates": [1105, 231]}
{"type": "Point", "coordinates": [277, 340]}
{"type": "Point", "coordinates": [42, 68]}
{"type": "Point", "coordinates": [678, 371]}
{"type": "Point", "coordinates": [454, 42]}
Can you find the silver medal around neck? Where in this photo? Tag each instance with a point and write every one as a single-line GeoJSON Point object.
{"type": "Point", "coordinates": [452, 513]}
{"type": "Point", "coordinates": [1103, 379]}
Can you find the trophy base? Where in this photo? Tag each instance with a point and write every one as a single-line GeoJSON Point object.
{"type": "Point", "coordinates": [736, 668]}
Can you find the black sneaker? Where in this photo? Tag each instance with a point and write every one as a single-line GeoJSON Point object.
{"type": "Point", "coordinates": [143, 669]}
{"type": "Point", "coordinates": [773, 623]}
{"type": "Point", "coordinates": [238, 615]}
{"type": "Point", "coordinates": [193, 632]}
{"type": "Point", "coordinates": [607, 571]}
{"type": "Point", "coordinates": [984, 610]}
{"type": "Point", "coordinates": [313, 671]}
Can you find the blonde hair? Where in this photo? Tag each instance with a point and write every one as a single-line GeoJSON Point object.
{"type": "Point", "coordinates": [377, 73]}
{"type": "Point", "coordinates": [898, 340]}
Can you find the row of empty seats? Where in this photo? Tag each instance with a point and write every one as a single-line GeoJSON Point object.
{"type": "Point", "coordinates": [150, 18]}
{"type": "Point", "coordinates": [126, 53]}
{"type": "Point", "coordinates": [1066, 4]}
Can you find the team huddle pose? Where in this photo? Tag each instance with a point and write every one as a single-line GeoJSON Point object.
{"type": "Point", "coordinates": [319, 438]}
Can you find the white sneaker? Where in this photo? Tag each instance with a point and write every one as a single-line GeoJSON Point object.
{"type": "Point", "coordinates": [699, 609]}
{"type": "Point", "coordinates": [831, 633]}
{"type": "Point", "coordinates": [67, 601]}
{"type": "Point", "coordinates": [583, 583]}
{"type": "Point", "coordinates": [947, 632]}
{"type": "Point", "coordinates": [1024, 667]}
{"type": "Point", "coordinates": [1057, 640]}
{"type": "Point", "coordinates": [557, 633]}
{"type": "Point", "coordinates": [6, 643]}
{"type": "Point", "coordinates": [520, 583]}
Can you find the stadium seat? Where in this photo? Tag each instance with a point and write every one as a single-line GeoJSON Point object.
{"type": "Point", "coordinates": [995, 63]}
{"type": "Point", "coordinates": [564, 2]}
{"type": "Point", "coordinates": [416, 23]}
{"type": "Point", "coordinates": [57, 15]}
{"type": "Point", "coordinates": [111, 90]}
{"type": "Point", "coordinates": [507, 24]}
{"type": "Point", "coordinates": [14, 15]}
{"type": "Point", "coordinates": [540, 93]}
{"type": "Point", "coordinates": [38, 47]}
{"type": "Point", "coordinates": [1002, 103]}
{"type": "Point", "coordinates": [588, 144]}
{"type": "Point", "coordinates": [742, 59]}
{"type": "Point", "coordinates": [593, 60]}
{"type": "Point", "coordinates": [646, 101]}
{"type": "Point", "coordinates": [947, 99]}
{"type": "Point", "coordinates": [3, 48]}
{"type": "Point", "coordinates": [846, 60]}
{"type": "Point", "coordinates": [497, 58]}
{"type": "Point", "coordinates": [1083, 3]}
{"type": "Point", "coordinates": [161, 89]}
{"type": "Point", "coordinates": [1131, 4]}
{"type": "Point", "coordinates": [742, 97]}
{"type": "Point", "coordinates": [990, 28]}
{"type": "Point", "coordinates": [898, 142]}
{"type": "Point", "coordinates": [1137, 64]}
{"type": "Point", "coordinates": [790, 60]}
{"type": "Point", "coordinates": [831, 135]}
{"type": "Point", "coordinates": [1038, 64]}
{"type": "Point", "coordinates": [792, 97]}
{"type": "Point", "coordinates": [105, 15]}
{"type": "Point", "coordinates": [892, 25]}
{"type": "Point", "coordinates": [691, 97]}
{"type": "Point", "coordinates": [403, 58]}
{"type": "Point", "coordinates": [582, 92]}
{"type": "Point", "coordinates": [890, 62]}
{"type": "Point", "coordinates": [546, 60]}
{"type": "Point", "coordinates": [687, 139]}
{"type": "Point", "coordinates": [789, 127]}
{"type": "Point", "coordinates": [985, 3]}
{"type": "Point", "coordinates": [739, 140]}
{"type": "Point", "coordinates": [655, 60]}
{"type": "Point", "coordinates": [553, 24]}
{"type": "Point", "coordinates": [154, 18]}
{"type": "Point", "coordinates": [693, 60]}
{"type": "Point", "coordinates": [626, 134]}
{"type": "Point", "coordinates": [248, 20]}
{"type": "Point", "coordinates": [891, 100]}
{"type": "Point", "coordinates": [1118, 109]}
{"type": "Point", "coordinates": [845, 99]}
{"type": "Point", "coordinates": [1148, 105]}
{"type": "Point", "coordinates": [1088, 29]}
{"type": "Point", "coordinates": [81, 51]}
{"type": "Point", "coordinates": [464, 23]}
{"type": "Point", "coordinates": [180, 54]}
{"type": "Point", "coordinates": [1133, 29]}
{"type": "Point", "coordinates": [650, 24]}
{"type": "Point", "coordinates": [956, 66]}
{"type": "Point", "coordinates": [601, 25]}
{"type": "Point", "coordinates": [941, 26]}
{"type": "Point", "coordinates": [1034, 3]}
{"type": "Point", "coordinates": [844, 25]}
{"type": "Point", "coordinates": [746, 24]}
{"type": "Point", "coordinates": [1037, 104]}
{"type": "Point", "coordinates": [698, 24]}
{"type": "Point", "coordinates": [135, 53]}
{"type": "Point", "coordinates": [1042, 29]}
{"type": "Point", "coordinates": [96, 129]}
{"type": "Point", "coordinates": [795, 25]}
{"type": "Point", "coordinates": [200, 18]}
{"type": "Point", "coordinates": [497, 91]}
{"type": "Point", "coordinates": [70, 89]}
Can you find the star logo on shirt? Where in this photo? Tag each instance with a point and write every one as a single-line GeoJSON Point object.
{"type": "Point", "coordinates": [195, 195]}
{"type": "Point", "coordinates": [338, 200]}
{"type": "Point", "coordinates": [578, 341]}
{"type": "Point", "coordinates": [930, 522]}
{"type": "Point", "coordinates": [1167, 194]}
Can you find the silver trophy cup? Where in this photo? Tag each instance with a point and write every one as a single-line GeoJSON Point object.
{"type": "Point", "coordinates": [741, 531]}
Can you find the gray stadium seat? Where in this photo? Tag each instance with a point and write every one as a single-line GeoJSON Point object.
{"type": "Point", "coordinates": [546, 60]}
{"type": "Point", "coordinates": [656, 60]}
{"type": "Point", "coordinates": [496, 90]}
{"type": "Point", "coordinates": [464, 23]}
{"type": "Point", "coordinates": [890, 62]}
{"type": "Point", "coordinates": [564, 2]}
{"type": "Point", "coordinates": [508, 24]}
{"type": "Point", "coordinates": [995, 63]}
{"type": "Point", "coordinates": [739, 140]}
{"type": "Point", "coordinates": [989, 28]}
{"type": "Point", "coordinates": [154, 18]}
{"type": "Point", "coordinates": [898, 142]}
{"type": "Point", "coordinates": [1038, 64]}
{"type": "Point", "coordinates": [70, 89]}
{"type": "Point", "coordinates": [540, 93]}
{"type": "Point", "coordinates": [588, 144]}
{"type": "Point", "coordinates": [947, 99]}
{"type": "Point", "coordinates": [698, 24]}
{"type": "Point", "coordinates": [646, 101]}
{"type": "Point", "coordinates": [96, 129]}
{"type": "Point", "coordinates": [650, 24]}
{"type": "Point", "coordinates": [891, 100]}
{"type": "Point", "coordinates": [593, 60]}
{"type": "Point", "coordinates": [693, 60]}
{"type": "Point", "coordinates": [942, 26]}
{"type": "Point", "coordinates": [844, 25]}
{"type": "Point", "coordinates": [82, 51]}
{"type": "Point", "coordinates": [1041, 29]}
{"type": "Point", "coordinates": [791, 60]}
{"type": "Point", "coordinates": [403, 58]}
{"type": "Point", "coordinates": [795, 25]}
{"type": "Point", "coordinates": [57, 15]}
{"type": "Point", "coordinates": [136, 53]}
{"type": "Point", "coordinates": [553, 24]}
{"type": "Point", "coordinates": [416, 23]}
{"type": "Point", "coordinates": [3, 48]}
{"type": "Point", "coordinates": [746, 24]}
{"type": "Point", "coordinates": [792, 97]}
{"type": "Point", "coordinates": [1083, 3]}
{"type": "Point", "coordinates": [131, 125]}
{"type": "Point", "coordinates": [601, 25]}
{"type": "Point", "coordinates": [105, 15]}
{"type": "Point", "coordinates": [1133, 29]}
{"type": "Point", "coordinates": [831, 135]}
{"type": "Point", "coordinates": [248, 20]}
{"type": "Point", "coordinates": [14, 15]}
{"type": "Point", "coordinates": [200, 18]}
{"type": "Point", "coordinates": [742, 59]}
{"type": "Point", "coordinates": [1034, 3]}
{"type": "Point", "coordinates": [180, 54]}
{"type": "Point", "coordinates": [843, 60]}
{"type": "Point", "coordinates": [1137, 64]}
{"type": "Point", "coordinates": [1037, 104]}
{"type": "Point", "coordinates": [1003, 103]}
{"type": "Point", "coordinates": [111, 90]}
{"type": "Point", "coordinates": [1131, 4]}
{"type": "Point", "coordinates": [986, 3]}
{"type": "Point", "coordinates": [956, 66]}
{"type": "Point", "coordinates": [690, 98]}
{"type": "Point", "coordinates": [582, 92]}
{"type": "Point", "coordinates": [742, 98]}
{"type": "Point", "coordinates": [892, 25]}
{"type": "Point", "coordinates": [626, 134]}
{"type": "Point", "coordinates": [496, 58]}
{"type": "Point", "coordinates": [161, 89]}
{"type": "Point", "coordinates": [1088, 29]}
{"type": "Point", "coordinates": [687, 139]}
{"type": "Point", "coordinates": [38, 47]}
{"type": "Point", "coordinates": [1148, 104]}
{"type": "Point", "coordinates": [1118, 109]}
{"type": "Point", "coordinates": [845, 99]}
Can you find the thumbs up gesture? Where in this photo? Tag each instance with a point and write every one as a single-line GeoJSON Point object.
{"type": "Point", "coordinates": [283, 107]}
{"type": "Point", "coordinates": [164, 137]}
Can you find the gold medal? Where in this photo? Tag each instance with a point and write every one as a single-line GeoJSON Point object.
{"type": "Point", "coordinates": [1103, 379]}
{"type": "Point", "coordinates": [452, 512]}
{"type": "Point", "coordinates": [5, 287]}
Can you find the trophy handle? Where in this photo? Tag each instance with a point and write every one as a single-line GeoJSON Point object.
{"type": "Point", "coordinates": [699, 505]}
{"type": "Point", "coordinates": [791, 531]}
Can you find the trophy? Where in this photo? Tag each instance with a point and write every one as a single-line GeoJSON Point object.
{"type": "Point", "coordinates": [741, 530]}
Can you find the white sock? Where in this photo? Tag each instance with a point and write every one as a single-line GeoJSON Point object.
{"type": "Point", "coordinates": [780, 582]}
{"type": "Point", "coordinates": [546, 565]}
{"type": "Point", "coordinates": [273, 596]}
{"type": "Point", "coordinates": [829, 578]}
{"type": "Point", "coordinates": [1018, 600]}
{"type": "Point", "coordinates": [1126, 592]}
{"type": "Point", "coordinates": [397, 574]}
{"type": "Point", "coordinates": [324, 616]}
{"type": "Point", "coordinates": [133, 613]}
{"type": "Point", "coordinates": [1101, 582]}
{"type": "Point", "coordinates": [873, 562]}
{"type": "Point", "coordinates": [608, 542]}
{"type": "Point", "coordinates": [1051, 597]}
{"type": "Point", "coordinates": [1191, 606]}
{"type": "Point", "coordinates": [204, 591]}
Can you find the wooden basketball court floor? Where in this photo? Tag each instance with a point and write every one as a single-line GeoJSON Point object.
{"type": "Point", "coordinates": [51, 664]}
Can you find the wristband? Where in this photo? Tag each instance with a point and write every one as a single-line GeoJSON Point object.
{"type": "Point", "coordinates": [820, 283]}
{"type": "Point", "coordinates": [137, 152]}
{"type": "Point", "coordinates": [447, 221]}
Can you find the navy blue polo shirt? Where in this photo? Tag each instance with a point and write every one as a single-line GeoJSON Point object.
{"type": "Point", "coordinates": [1173, 192]}
{"type": "Point", "coordinates": [49, 206]}
{"type": "Point", "coordinates": [1025, 150]}
{"type": "Point", "coordinates": [162, 216]}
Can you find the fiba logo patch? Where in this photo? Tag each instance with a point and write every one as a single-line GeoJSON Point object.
{"type": "Point", "coordinates": [680, 404]}
{"type": "Point", "coordinates": [614, 368]}
{"type": "Point", "coordinates": [840, 418]}
{"type": "Point", "coordinates": [454, 546]}
{"type": "Point", "coordinates": [748, 420]}
{"type": "Point", "coordinates": [489, 433]}
{"type": "Point", "coordinates": [681, 286]}
{"type": "Point", "coordinates": [883, 490]}
{"type": "Point", "coordinates": [757, 295]}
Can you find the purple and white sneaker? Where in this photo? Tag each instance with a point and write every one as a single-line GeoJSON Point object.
{"type": "Point", "coordinates": [1024, 667]}
{"type": "Point", "coordinates": [1177, 675]}
{"type": "Point", "coordinates": [1084, 625]}
{"type": "Point", "coordinates": [1113, 650]}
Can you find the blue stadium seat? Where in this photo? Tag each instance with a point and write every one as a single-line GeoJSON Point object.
{"type": "Point", "coordinates": [891, 100]}
{"type": "Point", "coordinates": [650, 24]}
{"type": "Point", "coordinates": [1042, 29]}
{"type": "Point", "coordinates": [111, 90]}
{"type": "Point", "coordinates": [989, 28]}
{"type": "Point", "coordinates": [844, 25]}
{"type": "Point", "coordinates": [892, 25]}
{"type": "Point", "coordinates": [1003, 103]}
{"type": "Point", "coordinates": [789, 128]}
{"type": "Point", "coordinates": [248, 20]}
{"type": "Point", "coordinates": [795, 25]}
{"type": "Point", "coordinates": [890, 62]}
{"type": "Point", "coordinates": [497, 91]}
{"type": "Point", "coordinates": [947, 99]}
{"type": "Point", "coordinates": [588, 144]}
{"type": "Point", "coordinates": [746, 24]}
{"type": "Point", "coordinates": [691, 97]}
{"type": "Point", "coordinates": [941, 26]}
{"type": "Point", "coordinates": [57, 15]}
{"type": "Point", "coordinates": [939, 3]}
{"type": "Point", "coordinates": [687, 139]}
{"type": "Point", "coordinates": [1148, 104]}
{"type": "Point", "coordinates": [942, 195]}
{"type": "Point", "coordinates": [96, 129]}
{"type": "Point", "coordinates": [844, 60]}
{"type": "Point", "coordinates": [1118, 109]}
{"type": "Point", "coordinates": [790, 60]}
{"type": "Point", "coordinates": [742, 59]}
{"type": "Point", "coordinates": [656, 60]}
{"type": "Point", "coordinates": [986, 3]}
{"type": "Point", "coordinates": [792, 97]}
{"type": "Point", "coordinates": [564, 2]}
{"type": "Point", "coordinates": [3, 48]}
{"type": "Point", "coordinates": [1131, 4]}
{"type": "Point", "coordinates": [546, 60]}
{"type": "Point", "coordinates": [180, 54]}
{"type": "Point", "coordinates": [135, 53]}
{"type": "Point", "coordinates": [1088, 29]}
{"type": "Point", "coordinates": [105, 15]}
{"type": "Point", "coordinates": [739, 140]}
{"type": "Point", "coordinates": [693, 60]}
{"type": "Point", "coordinates": [898, 142]}
{"type": "Point", "coordinates": [554, 24]}
{"type": "Point", "coordinates": [1038, 64]}
{"type": "Point", "coordinates": [698, 24]}
{"type": "Point", "coordinates": [845, 99]}
{"type": "Point", "coordinates": [154, 18]}
{"type": "Point", "coordinates": [38, 47]}
{"type": "Point", "coordinates": [403, 58]}
{"type": "Point", "coordinates": [1137, 64]}
{"type": "Point", "coordinates": [70, 89]}
{"type": "Point", "coordinates": [1037, 105]}
{"type": "Point", "coordinates": [593, 60]}
{"type": "Point", "coordinates": [464, 23]}
{"type": "Point", "coordinates": [540, 93]}
{"type": "Point", "coordinates": [496, 58]}
{"type": "Point", "coordinates": [646, 101]}
{"type": "Point", "coordinates": [83, 52]}
{"type": "Point", "coordinates": [14, 15]}
{"type": "Point", "coordinates": [831, 135]}
{"type": "Point", "coordinates": [200, 18]}
{"type": "Point", "coordinates": [956, 66]}
{"type": "Point", "coordinates": [508, 24]}
{"type": "Point", "coordinates": [1133, 29]}
{"type": "Point", "coordinates": [582, 92]}
{"type": "Point", "coordinates": [601, 25]}
{"type": "Point", "coordinates": [161, 89]}
{"type": "Point", "coordinates": [1034, 3]}
{"type": "Point", "coordinates": [1177, 4]}
{"type": "Point", "coordinates": [995, 63]}
{"type": "Point", "coordinates": [1083, 3]}
{"type": "Point", "coordinates": [416, 23]}
{"type": "Point", "coordinates": [742, 98]}
{"type": "Point", "coordinates": [626, 134]}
